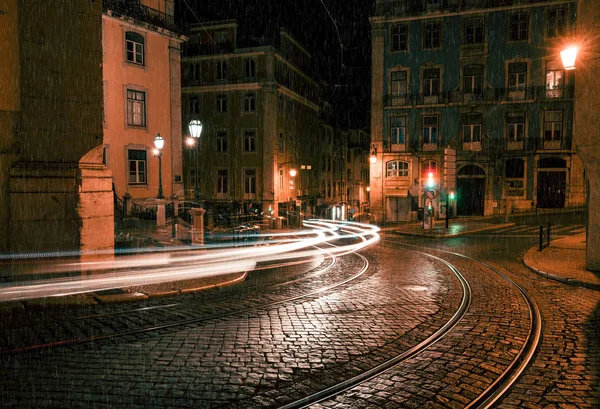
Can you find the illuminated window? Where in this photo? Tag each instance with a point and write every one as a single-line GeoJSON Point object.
{"type": "Point", "coordinates": [134, 44]}
{"type": "Point", "coordinates": [136, 108]}
{"type": "Point", "coordinates": [397, 168]}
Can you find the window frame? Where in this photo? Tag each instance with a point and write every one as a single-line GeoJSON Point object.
{"type": "Point", "coordinates": [476, 80]}
{"type": "Point", "coordinates": [250, 68]}
{"type": "Point", "coordinates": [223, 181]}
{"type": "Point", "coordinates": [429, 84]}
{"type": "Point", "coordinates": [249, 140]}
{"type": "Point", "coordinates": [144, 172]}
{"type": "Point", "coordinates": [250, 178]}
{"type": "Point", "coordinates": [132, 37]}
{"type": "Point", "coordinates": [516, 22]}
{"type": "Point", "coordinates": [517, 84]}
{"type": "Point", "coordinates": [427, 166]}
{"type": "Point", "coordinates": [399, 37]}
{"type": "Point", "coordinates": [221, 70]}
{"type": "Point", "coordinates": [557, 26]}
{"type": "Point", "coordinates": [399, 87]}
{"type": "Point", "coordinates": [132, 103]}
{"type": "Point", "coordinates": [221, 140]}
{"type": "Point", "coordinates": [398, 132]}
{"type": "Point", "coordinates": [430, 127]}
{"type": "Point", "coordinates": [473, 123]}
{"type": "Point", "coordinates": [249, 102]}
{"type": "Point", "coordinates": [553, 130]}
{"type": "Point", "coordinates": [394, 170]}
{"type": "Point", "coordinates": [476, 38]}
{"type": "Point", "coordinates": [221, 103]}
{"type": "Point", "coordinates": [430, 28]}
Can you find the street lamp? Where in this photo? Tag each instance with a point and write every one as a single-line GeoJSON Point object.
{"type": "Point", "coordinates": [195, 127]}
{"type": "Point", "coordinates": [568, 57]}
{"type": "Point", "coordinates": [159, 143]}
{"type": "Point", "coordinates": [373, 155]}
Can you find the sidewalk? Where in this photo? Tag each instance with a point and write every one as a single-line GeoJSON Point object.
{"type": "Point", "coordinates": [564, 261]}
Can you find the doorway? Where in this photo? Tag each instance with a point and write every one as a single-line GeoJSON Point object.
{"type": "Point", "coordinates": [470, 191]}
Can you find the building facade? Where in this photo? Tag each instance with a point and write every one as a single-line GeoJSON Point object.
{"type": "Point", "coordinates": [474, 97]}
{"type": "Point", "coordinates": [357, 171]}
{"type": "Point", "coordinates": [55, 193]}
{"type": "Point", "coordinates": [141, 49]}
{"type": "Point", "coordinates": [266, 146]}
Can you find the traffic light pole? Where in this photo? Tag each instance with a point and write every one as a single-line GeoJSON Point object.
{"type": "Point", "coordinates": [447, 208]}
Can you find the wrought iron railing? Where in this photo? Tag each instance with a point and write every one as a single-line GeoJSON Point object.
{"type": "Point", "coordinates": [135, 9]}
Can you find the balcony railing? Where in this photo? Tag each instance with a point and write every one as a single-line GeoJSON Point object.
{"type": "Point", "coordinates": [136, 10]}
{"type": "Point", "coordinates": [489, 95]}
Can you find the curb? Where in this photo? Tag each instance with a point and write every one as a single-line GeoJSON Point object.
{"type": "Point", "coordinates": [569, 281]}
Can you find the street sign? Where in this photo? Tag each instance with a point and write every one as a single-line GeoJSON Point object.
{"type": "Point", "coordinates": [431, 194]}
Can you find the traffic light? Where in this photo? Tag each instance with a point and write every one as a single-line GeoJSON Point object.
{"type": "Point", "coordinates": [430, 180]}
{"type": "Point", "coordinates": [452, 195]}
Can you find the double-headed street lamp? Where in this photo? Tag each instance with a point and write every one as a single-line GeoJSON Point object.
{"type": "Point", "coordinates": [195, 127]}
{"type": "Point", "coordinates": [159, 143]}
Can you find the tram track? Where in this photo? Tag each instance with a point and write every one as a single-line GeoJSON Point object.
{"type": "Point", "coordinates": [207, 317]}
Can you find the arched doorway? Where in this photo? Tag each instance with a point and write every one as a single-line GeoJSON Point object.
{"type": "Point", "coordinates": [470, 191]}
{"type": "Point", "coordinates": [551, 183]}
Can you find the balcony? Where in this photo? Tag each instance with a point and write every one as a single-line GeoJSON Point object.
{"type": "Point", "coordinates": [515, 145]}
{"type": "Point", "coordinates": [137, 11]}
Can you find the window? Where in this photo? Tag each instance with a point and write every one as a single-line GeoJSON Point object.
{"type": "Point", "coordinates": [398, 130]}
{"type": "Point", "coordinates": [555, 77]}
{"type": "Point", "coordinates": [221, 37]}
{"type": "Point", "coordinates": [249, 102]}
{"type": "Point", "coordinates": [134, 44]}
{"type": "Point", "coordinates": [399, 84]}
{"type": "Point", "coordinates": [193, 73]}
{"type": "Point", "coordinates": [136, 108]}
{"type": "Point", "coordinates": [515, 123]}
{"type": "Point", "coordinates": [250, 68]}
{"type": "Point", "coordinates": [281, 186]}
{"type": "Point", "coordinates": [221, 104]}
{"type": "Point", "coordinates": [221, 141]}
{"type": "Point", "coordinates": [556, 22]}
{"type": "Point", "coordinates": [431, 81]}
{"type": "Point", "coordinates": [515, 169]}
{"type": "Point", "coordinates": [221, 70]}
{"type": "Point", "coordinates": [519, 27]}
{"type": "Point", "coordinates": [552, 126]}
{"type": "Point", "coordinates": [281, 143]}
{"type": "Point", "coordinates": [432, 35]}
{"type": "Point", "coordinates": [250, 141]}
{"type": "Point", "coordinates": [400, 38]}
{"type": "Point", "coordinates": [222, 187]}
{"type": "Point", "coordinates": [194, 105]}
{"type": "Point", "coordinates": [474, 31]}
{"type": "Point", "coordinates": [250, 181]}
{"type": "Point", "coordinates": [137, 167]}
{"type": "Point", "coordinates": [517, 76]}
{"type": "Point", "coordinates": [397, 168]}
{"type": "Point", "coordinates": [281, 105]}
{"type": "Point", "coordinates": [430, 129]}
{"type": "Point", "coordinates": [472, 127]}
{"type": "Point", "coordinates": [473, 79]}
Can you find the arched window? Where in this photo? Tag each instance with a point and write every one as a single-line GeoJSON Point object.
{"type": "Point", "coordinates": [134, 46]}
{"type": "Point", "coordinates": [397, 168]}
{"type": "Point", "coordinates": [429, 166]}
{"type": "Point", "coordinates": [249, 102]}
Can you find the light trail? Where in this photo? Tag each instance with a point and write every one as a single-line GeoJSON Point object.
{"type": "Point", "coordinates": [186, 263]}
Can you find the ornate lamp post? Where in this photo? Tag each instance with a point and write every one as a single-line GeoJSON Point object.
{"type": "Point", "coordinates": [159, 143]}
{"type": "Point", "coordinates": [195, 127]}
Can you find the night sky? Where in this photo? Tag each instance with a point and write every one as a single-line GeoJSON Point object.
{"type": "Point", "coordinates": [342, 60]}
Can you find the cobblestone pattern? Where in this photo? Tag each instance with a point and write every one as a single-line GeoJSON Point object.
{"type": "Point", "coordinates": [566, 371]}
{"type": "Point", "coordinates": [461, 366]}
{"type": "Point", "coordinates": [261, 358]}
